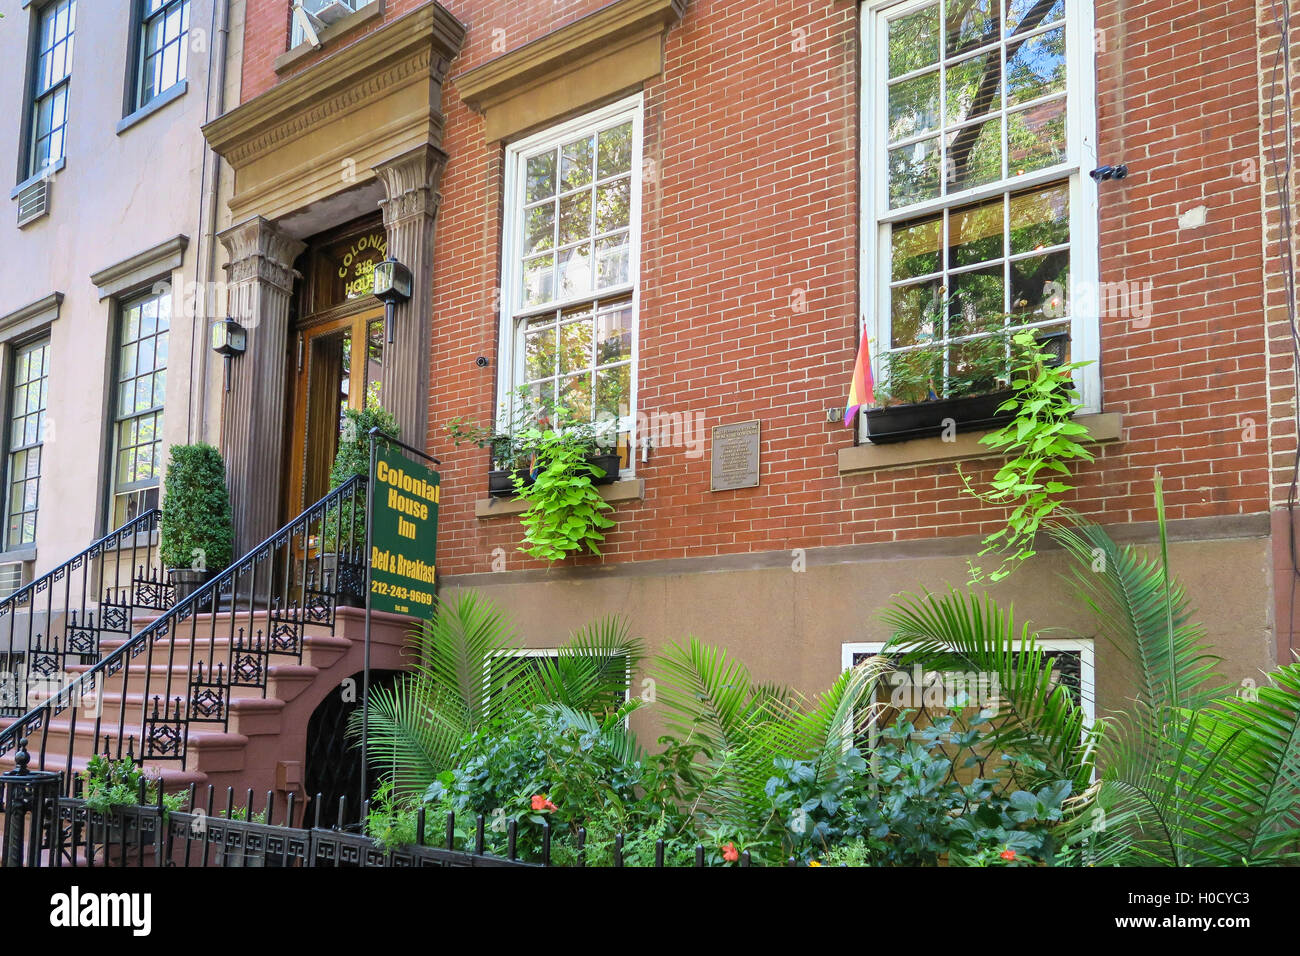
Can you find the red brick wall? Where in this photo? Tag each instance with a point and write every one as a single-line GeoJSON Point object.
{"type": "Point", "coordinates": [749, 276]}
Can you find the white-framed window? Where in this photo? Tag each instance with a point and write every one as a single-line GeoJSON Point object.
{"type": "Point", "coordinates": [164, 42]}
{"type": "Point", "coordinates": [979, 216]}
{"type": "Point", "coordinates": [1073, 659]}
{"type": "Point", "coordinates": [320, 14]}
{"type": "Point", "coordinates": [571, 259]}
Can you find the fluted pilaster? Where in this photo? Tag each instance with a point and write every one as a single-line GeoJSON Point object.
{"type": "Point", "coordinates": [260, 276]}
{"type": "Point", "coordinates": [411, 184]}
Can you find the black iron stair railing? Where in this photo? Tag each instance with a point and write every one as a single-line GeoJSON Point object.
{"type": "Point", "coordinates": [69, 609]}
{"type": "Point", "coordinates": [218, 639]}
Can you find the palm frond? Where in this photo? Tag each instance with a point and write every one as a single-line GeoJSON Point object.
{"type": "Point", "coordinates": [592, 669]}
{"type": "Point", "coordinates": [1144, 615]}
{"type": "Point", "coordinates": [1036, 715]}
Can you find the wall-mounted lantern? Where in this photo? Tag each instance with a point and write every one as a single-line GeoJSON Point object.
{"type": "Point", "coordinates": [392, 285]}
{"type": "Point", "coordinates": [229, 339]}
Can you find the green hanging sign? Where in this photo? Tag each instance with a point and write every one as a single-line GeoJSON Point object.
{"type": "Point", "coordinates": [403, 533]}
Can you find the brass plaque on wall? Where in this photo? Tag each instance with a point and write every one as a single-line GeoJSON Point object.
{"type": "Point", "coordinates": [735, 456]}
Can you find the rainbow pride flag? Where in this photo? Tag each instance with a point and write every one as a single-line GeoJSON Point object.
{"type": "Point", "coordinates": [862, 389]}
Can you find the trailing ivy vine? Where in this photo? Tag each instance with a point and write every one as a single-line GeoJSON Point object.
{"type": "Point", "coordinates": [1039, 443]}
{"type": "Point", "coordinates": [565, 509]}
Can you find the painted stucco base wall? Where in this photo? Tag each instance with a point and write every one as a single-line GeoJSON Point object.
{"type": "Point", "coordinates": [789, 626]}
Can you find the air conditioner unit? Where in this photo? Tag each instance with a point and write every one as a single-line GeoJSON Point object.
{"type": "Point", "coordinates": [328, 11]}
{"type": "Point", "coordinates": [11, 578]}
{"type": "Point", "coordinates": [34, 201]}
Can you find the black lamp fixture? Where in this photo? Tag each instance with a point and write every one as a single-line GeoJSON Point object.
{"type": "Point", "coordinates": [392, 285]}
{"type": "Point", "coordinates": [229, 339]}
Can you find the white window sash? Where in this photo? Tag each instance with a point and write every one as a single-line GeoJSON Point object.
{"type": "Point", "coordinates": [510, 373]}
{"type": "Point", "coordinates": [1081, 156]}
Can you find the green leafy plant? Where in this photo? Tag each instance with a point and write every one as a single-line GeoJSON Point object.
{"type": "Point", "coordinates": [393, 821]}
{"type": "Point", "coordinates": [1188, 774]}
{"type": "Point", "coordinates": [1039, 443]}
{"type": "Point", "coordinates": [346, 522]}
{"type": "Point", "coordinates": [117, 783]}
{"type": "Point", "coordinates": [241, 813]}
{"type": "Point", "coordinates": [468, 677]}
{"type": "Point", "coordinates": [503, 437]}
{"type": "Point", "coordinates": [1192, 773]}
{"type": "Point", "coordinates": [195, 531]}
{"type": "Point", "coordinates": [566, 513]}
{"type": "Point", "coordinates": [974, 366]}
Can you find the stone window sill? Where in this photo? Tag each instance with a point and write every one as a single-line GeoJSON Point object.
{"type": "Point", "coordinates": [170, 95]}
{"type": "Point", "coordinates": [332, 32]}
{"type": "Point", "coordinates": [48, 173]}
{"type": "Point", "coordinates": [1102, 428]}
{"type": "Point", "coordinates": [629, 489]}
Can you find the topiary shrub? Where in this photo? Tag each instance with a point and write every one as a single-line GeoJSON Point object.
{"type": "Point", "coordinates": [196, 532]}
{"type": "Point", "coordinates": [352, 459]}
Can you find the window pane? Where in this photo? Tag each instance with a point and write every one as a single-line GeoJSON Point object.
{"type": "Point", "coordinates": [975, 155]}
{"type": "Point", "coordinates": [1040, 218]}
{"type": "Point", "coordinates": [916, 248]}
{"type": "Point", "coordinates": [614, 206]}
{"type": "Point", "coordinates": [914, 41]}
{"type": "Point", "coordinates": [539, 280]}
{"type": "Point", "coordinates": [576, 345]}
{"type": "Point", "coordinates": [613, 264]}
{"type": "Point", "coordinates": [971, 23]}
{"type": "Point", "coordinates": [974, 87]}
{"type": "Point", "coordinates": [613, 335]}
{"type": "Point", "coordinates": [576, 164]}
{"type": "Point", "coordinates": [575, 271]}
{"type": "Point", "coordinates": [541, 176]}
{"type": "Point", "coordinates": [1036, 137]}
{"type": "Point", "coordinates": [614, 151]}
{"type": "Point", "coordinates": [1036, 66]}
{"type": "Point", "coordinates": [914, 173]}
{"type": "Point", "coordinates": [575, 218]}
{"type": "Point", "coordinates": [914, 106]}
{"type": "Point", "coordinates": [539, 353]}
{"type": "Point", "coordinates": [539, 231]}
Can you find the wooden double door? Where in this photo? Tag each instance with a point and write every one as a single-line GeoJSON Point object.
{"type": "Point", "coordinates": [340, 362]}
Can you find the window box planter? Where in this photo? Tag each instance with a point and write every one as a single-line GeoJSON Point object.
{"type": "Point", "coordinates": [501, 481]}
{"type": "Point", "coordinates": [928, 419]}
{"type": "Point", "coordinates": [967, 413]}
{"type": "Point", "coordinates": [609, 464]}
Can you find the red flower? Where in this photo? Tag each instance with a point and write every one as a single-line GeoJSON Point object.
{"type": "Point", "coordinates": [730, 853]}
{"type": "Point", "coordinates": [540, 802]}
{"type": "Point", "coordinates": [1008, 854]}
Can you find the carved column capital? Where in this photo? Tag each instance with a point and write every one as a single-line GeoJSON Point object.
{"type": "Point", "coordinates": [258, 251]}
{"type": "Point", "coordinates": [411, 184]}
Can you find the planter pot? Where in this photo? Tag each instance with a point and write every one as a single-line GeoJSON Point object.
{"type": "Point", "coordinates": [609, 464]}
{"type": "Point", "coordinates": [501, 483]}
{"type": "Point", "coordinates": [185, 581]}
{"type": "Point", "coordinates": [348, 578]}
{"type": "Point", "coordinates": [928, 419]}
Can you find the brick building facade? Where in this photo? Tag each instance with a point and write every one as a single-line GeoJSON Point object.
{"type": "Point", "coordinates": [748, 278]}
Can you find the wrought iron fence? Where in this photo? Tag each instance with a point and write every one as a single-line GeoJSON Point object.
{"type": "Point", "coordinates": [62, 617]}
{"type": "Point", "coordinates": [139, 701]}
{"type": "Point", "coordinates": [45, 827]}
